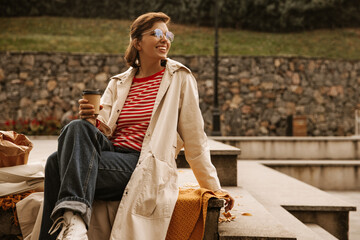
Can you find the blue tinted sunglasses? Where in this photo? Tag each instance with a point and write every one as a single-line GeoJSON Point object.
{"type": "Point", "coordinates": [160, 34]}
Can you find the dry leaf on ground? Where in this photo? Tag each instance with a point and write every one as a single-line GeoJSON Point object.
{"type": "Point", "coordinates": [246, 214]}
{"type": "Point", "coordinates": [227, 217]}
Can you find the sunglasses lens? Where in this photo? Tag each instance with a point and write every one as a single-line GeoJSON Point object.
{"type": "Point", "coordinates": [170, 36]}
{"type": "Point", "coordinates": [158, 33]}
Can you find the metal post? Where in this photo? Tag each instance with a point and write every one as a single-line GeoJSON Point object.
{"type": "Point", "coordinates": [216, 112]}
{"type": "Point", "coordinates": [357, 122]}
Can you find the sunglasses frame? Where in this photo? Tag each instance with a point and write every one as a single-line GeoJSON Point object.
{"type": "Point", "coordinates": [158, 33]}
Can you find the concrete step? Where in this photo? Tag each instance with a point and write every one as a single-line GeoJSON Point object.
{"type": "Point", "coordinates": [330, 175]}
{"type": "Point", "coordinates": [252, 220]}
{"type": "Point", "coordinates": [223, 156]}
{"type": "Point", "coordinates": [320, 231]}
{"type": "Point", "coordinates": [286, 198]}
{"type": "Point", "coordinates": [292, 148]}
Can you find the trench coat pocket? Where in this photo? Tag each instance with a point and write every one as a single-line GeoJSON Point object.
{"type": "Point", "coordinates": [155, 197]}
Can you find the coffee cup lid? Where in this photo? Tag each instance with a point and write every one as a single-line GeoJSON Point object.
{"type": "Point", "coordinates": [87, 91]}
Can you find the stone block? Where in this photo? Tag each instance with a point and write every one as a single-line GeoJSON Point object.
{"type": "Point", "coordinates": [223, 157]}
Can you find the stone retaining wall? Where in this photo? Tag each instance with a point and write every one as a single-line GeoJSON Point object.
{"type": "Point", "coordinates": [256, 94]}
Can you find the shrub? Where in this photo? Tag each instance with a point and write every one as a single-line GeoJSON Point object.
{"type": "Point", "coordinates": [48, 126]}
{"type": "Point", "coordinates": [264, 15]}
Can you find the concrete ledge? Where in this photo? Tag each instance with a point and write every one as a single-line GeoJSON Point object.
{"type": "Point", "coordinates": [224, 157]}
{"type": "Point", "coordinates": [334, 222]}
{"type": "Point", "coordinates": [320, 231]}
{"type": "Point", "coordinates": [327, 175]}
{"type": "Point", "coordinates": [260, 225]}
{"type": "Point", "coordinates": [310, 205]}
{"type": "Point", "coordinates": [329, 148]}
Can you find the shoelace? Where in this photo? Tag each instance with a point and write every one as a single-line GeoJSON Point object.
{"type": "Point", "coordinates": [64, 230]}
{"type": "Point", "coordinates": [56, 225]}
{"type": "Point", "coordinates": [65, 235]}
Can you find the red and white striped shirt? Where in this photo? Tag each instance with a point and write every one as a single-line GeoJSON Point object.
{"type": "Point", "coordinates": [135, 116]}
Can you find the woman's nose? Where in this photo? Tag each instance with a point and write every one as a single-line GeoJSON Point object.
{"type": "Point", "coordinates": [163, 38]}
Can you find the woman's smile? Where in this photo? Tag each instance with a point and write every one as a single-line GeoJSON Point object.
{"type": "Point", "coordinates": [162, 48]}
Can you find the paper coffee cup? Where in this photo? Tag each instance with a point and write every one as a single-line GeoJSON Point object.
{"type": "Point", "coordinates": [93, 96]}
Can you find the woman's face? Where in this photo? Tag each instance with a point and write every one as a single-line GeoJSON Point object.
{"type": "Point", "coordinates": [151, 47]}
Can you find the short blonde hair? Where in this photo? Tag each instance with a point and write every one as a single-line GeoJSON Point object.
{"type": "Point", "coordinates": [137, 28]}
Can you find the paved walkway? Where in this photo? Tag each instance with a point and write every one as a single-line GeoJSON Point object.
{"type": "Point", "coordinates": [44, 146]}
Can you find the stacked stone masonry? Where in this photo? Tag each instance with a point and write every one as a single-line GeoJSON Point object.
{"type": "Point", "coordinates": [256, 94]}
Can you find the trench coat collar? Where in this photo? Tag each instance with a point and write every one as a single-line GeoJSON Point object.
{"type": "Point", "coordinates": [174, 66]}
{"type": "Point", "coordinates": [128, 74]}
{"type": "Point", "coordinates": [126, 77]}
{"type": "Point", "coordinates": [171, 66]}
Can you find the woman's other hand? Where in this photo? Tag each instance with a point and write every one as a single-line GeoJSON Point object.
{"type": "Point", "coordinates": [87, 110]}
{"type": "Point", "coordinates": [229, 202]}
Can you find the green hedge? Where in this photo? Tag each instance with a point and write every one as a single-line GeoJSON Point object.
{"type": "Point", "coordinates": [264, 15]}
{"type": "Point", "coordinates": [293, 15]}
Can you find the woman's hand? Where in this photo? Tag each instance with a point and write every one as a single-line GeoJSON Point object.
{"type": "Point", "coordinates": [229, 202]}
{"type": "Point", "coordinates": [86, 111]}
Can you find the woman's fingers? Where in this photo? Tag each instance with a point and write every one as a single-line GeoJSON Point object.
{"type": "Point", "coordinates": [86, 106]}
{"type": "Point", "coordinates": [87, 114]}
{"type": "Point", "coordinates": [229, 203]}
{"type": "Point", "coordinates": [83, 101]}
{"type": "Point", "coordinates": [86, 110]}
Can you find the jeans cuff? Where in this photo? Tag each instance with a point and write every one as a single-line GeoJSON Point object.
{"type": "Point", "coordinates": [75, 206]}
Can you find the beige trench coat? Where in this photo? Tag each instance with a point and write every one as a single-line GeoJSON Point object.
{"type": "Point", "coordinates": [150, 196]}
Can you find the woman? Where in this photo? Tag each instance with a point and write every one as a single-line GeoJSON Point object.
{"type": "Point", "coordinates": [128, 152]}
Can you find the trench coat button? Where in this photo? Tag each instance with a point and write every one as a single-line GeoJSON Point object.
{"type": "Point", "coordinates": [118, 110]}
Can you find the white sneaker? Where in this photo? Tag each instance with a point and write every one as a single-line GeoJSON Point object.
{"type": "Point", "coordinates": [73, 227]}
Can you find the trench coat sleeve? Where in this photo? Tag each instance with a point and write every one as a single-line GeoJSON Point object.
{"type": "Point", "coordinates": [107, 101]}
{"type": "Point", "coordinates": [191, 130]}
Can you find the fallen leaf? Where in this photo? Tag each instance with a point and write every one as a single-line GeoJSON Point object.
{"type": "Point", "coordinates": [227, 217]}
{"type": "Point", "coordinates": [227, 214]}
{"type": "Point", "coordinates": [246, 214]}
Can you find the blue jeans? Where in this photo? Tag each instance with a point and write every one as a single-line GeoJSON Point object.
{"type": "Point", "coordinates": [86, 167]}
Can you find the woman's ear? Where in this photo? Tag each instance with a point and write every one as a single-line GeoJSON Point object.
{"type": "Point", "coordinates": [137, 44]}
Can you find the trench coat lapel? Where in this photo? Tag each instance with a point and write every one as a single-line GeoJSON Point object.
{"type": "Point", "coordinates": [123, 89]}
{"type": "Point", "coordinates": [123, 86]}
{"type": "Point", "coordinates": [164, 85]}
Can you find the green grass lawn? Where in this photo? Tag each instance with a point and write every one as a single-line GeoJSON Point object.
{"type": "Point", "coordinates": [111, 36]}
